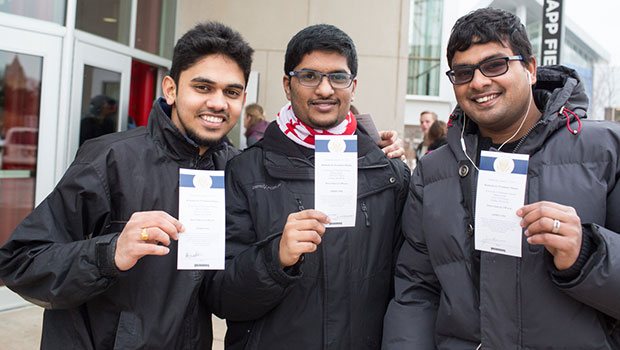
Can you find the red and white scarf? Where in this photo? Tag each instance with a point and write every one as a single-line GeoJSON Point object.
{"type": "Point", "coordinates": [303, 135]}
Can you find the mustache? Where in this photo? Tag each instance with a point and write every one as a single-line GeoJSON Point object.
{"type": "Point", "coordinates": [223, 114]}
{"type": "Point", "coordinates": [323, 100]}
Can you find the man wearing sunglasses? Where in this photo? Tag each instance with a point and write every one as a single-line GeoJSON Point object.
{"type": "Point", "coordinates": [297, 284]}
{"type": "Point", "coordinates": [560, 289]}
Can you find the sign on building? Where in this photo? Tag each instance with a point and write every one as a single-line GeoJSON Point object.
{"type": "Point", "coordinates": [552, 32]}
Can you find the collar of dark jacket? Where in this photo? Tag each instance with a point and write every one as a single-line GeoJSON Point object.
{"type": "Point", "coordinates": [287, 160]}
{"type": "Point", "coordinates": [171, 139]}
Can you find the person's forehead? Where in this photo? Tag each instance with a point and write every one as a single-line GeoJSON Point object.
{"type": "Point", "coordinates": [215, 67]}
{"type": "Point", "coordinates": [476, 53]}
{"type": "Point", "coordinates": [324, 61]}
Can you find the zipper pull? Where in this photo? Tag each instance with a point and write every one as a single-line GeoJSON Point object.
{"type": "Point", "coordinates": [299, 205]}
{"type": "Point", "coordinates": [365, 211]}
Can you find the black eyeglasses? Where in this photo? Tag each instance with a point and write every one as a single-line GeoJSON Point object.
{"type": "Point", "coordinates": [492, 67]}
{"type": "Point", "coordinates": [313, 78]}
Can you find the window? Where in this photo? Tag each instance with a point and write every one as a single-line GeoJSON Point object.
{"type": "Point", "coordinates": [424, 47]}
{"type": "Point", "coordinates": [99, 102]}
{"type": "Point", "coordinates": [155, 26]}
{"type": "Point", "coordinates": [109, 19]}
{"type": "Point", "coordinates": [20, 95]}
{"type": "Point", "coordinates": [47, 10]}
{"type": "Point", "coordinates": [612, 114]}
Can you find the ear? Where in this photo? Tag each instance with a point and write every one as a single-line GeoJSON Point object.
{"type": "Point", "coordinates": [286, 83]}
{"type": "Point", "coordinates": [531, 70]}
{"type": "Point", "coordinates": [169, 88]}
{"type": "Point", "coordinates": [353, 91]}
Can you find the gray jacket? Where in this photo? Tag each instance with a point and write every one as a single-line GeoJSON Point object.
{"type": "Point", "coordinates": [447, 299]}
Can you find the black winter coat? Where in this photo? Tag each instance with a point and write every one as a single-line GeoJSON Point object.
{"type": "Point", "coordinates": [336, 297]}
{"type": "Point", "coordinates": [446, 300]}
{"type": "Point", "coordinates": [62, 256]}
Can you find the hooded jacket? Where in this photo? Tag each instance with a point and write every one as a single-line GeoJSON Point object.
{"type": "Point", "coordinates": [61, 256]}
{"type": "Point", "coordinates": [445, 299]}
{"type": "Point", "coordinates": [335, 297]}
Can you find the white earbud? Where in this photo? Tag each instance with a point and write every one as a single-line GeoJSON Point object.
{"type": "Point", "coordinates": [529, 77]}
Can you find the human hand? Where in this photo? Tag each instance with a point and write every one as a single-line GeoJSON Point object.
{"type": "Point", "coordinates": [302, 234]}
{"type": "Point", "coordinates": [391, 144]}
{"type": "Point", "coordinates": [562, 238]}
{"type": "Point", "coordinates": [141, 236]}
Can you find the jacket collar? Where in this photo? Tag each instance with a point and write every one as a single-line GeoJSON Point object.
{"type": "Point", "coordinates": [166, 134]}
{"type": "Point", "coordinates": [286, 160]}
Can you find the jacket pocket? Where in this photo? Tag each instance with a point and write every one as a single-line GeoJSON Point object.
{"type": "Point", "coordinates": [128, 332]}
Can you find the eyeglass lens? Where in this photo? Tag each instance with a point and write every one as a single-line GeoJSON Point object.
{"type": "Point", "coordinates": [491, 68]}
{"type": "Point", "coordinates": [311, 78]}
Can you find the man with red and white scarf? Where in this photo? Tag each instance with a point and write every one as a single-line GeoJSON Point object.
{"type": "Point", "coordinates": [290, 283]}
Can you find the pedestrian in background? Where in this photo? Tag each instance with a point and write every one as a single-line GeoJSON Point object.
{"type": "Point", "coordinates": [254, 123]}
{"type": "Point", "coordinates": [437, 135]}
{"type": "Point", "coordinates": [427, 118]}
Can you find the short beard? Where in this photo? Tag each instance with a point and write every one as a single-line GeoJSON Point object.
{"type": "Point", "coordinates": [203, 142]}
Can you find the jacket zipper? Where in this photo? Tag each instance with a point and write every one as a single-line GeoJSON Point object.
{"type": "Point", "coordinates": [474, 225]}
{"type": "Point", "coordinates": [196, 161]}
{"type": "Point", "coordinates": [519, 262]}
{"type": "Point", "coordinates": [365, 211]}
{"type": "Point", "coordinates": [300, 206]}
{"type": "Point", "coordinates": [526, 135]}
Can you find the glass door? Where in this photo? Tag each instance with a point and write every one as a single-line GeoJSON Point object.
{"type": "Point", "coordinates": [29, 79]}
{"type": "Point", "coordinates": [99, 94]}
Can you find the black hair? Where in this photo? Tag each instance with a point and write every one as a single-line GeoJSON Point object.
{"type": "Point", "coordinates": [323, 37]}
{"type": "Point", "coordinates": [207, 39]}
{"type": "Point", "coordinates": [490, 25]}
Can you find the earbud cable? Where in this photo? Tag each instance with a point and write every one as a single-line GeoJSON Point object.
{"type": "Point", "coordinates": [529, 104]}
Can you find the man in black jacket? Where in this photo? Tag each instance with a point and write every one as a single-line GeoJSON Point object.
{"type": "Point", "coordinates": [558, 287]}
{"type": "Point", "coordinates": [297, 284]}
{"type": "Point", "coordinates": [99, 253]}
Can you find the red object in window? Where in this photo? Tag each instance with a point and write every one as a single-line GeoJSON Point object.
{"type": "Point", "coordinates": [141, 92]}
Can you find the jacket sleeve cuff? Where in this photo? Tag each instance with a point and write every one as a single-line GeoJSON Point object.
{"type": "Point", "coordinates": [272, 260]}
{"type": "Point", "coordinates": [106, 248]}
{"type": "Point", "coordinates": [588, 246]}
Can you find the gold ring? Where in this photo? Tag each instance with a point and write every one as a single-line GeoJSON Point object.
{"type": "Point", "coordinates": [556, 226]}
{"type": "Point", "coordinates": [144, 235]}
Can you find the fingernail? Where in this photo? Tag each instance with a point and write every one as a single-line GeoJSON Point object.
{"type": "Point", "coordinates": [182, 228]}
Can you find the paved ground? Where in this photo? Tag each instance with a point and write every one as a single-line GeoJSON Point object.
{"type": "Point", "coordinates": [20, 329]}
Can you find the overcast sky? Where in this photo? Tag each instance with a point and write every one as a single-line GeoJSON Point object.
{"type": "Point", "coordinates": [599, 18]}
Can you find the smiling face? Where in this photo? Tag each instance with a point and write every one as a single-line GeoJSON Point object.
{"type": "Point", "coordinates": [208, 100]}
{"type": "Point", "coordinates": [320, 107]}
{"type": "Point", "coordinates": [497, 104]}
